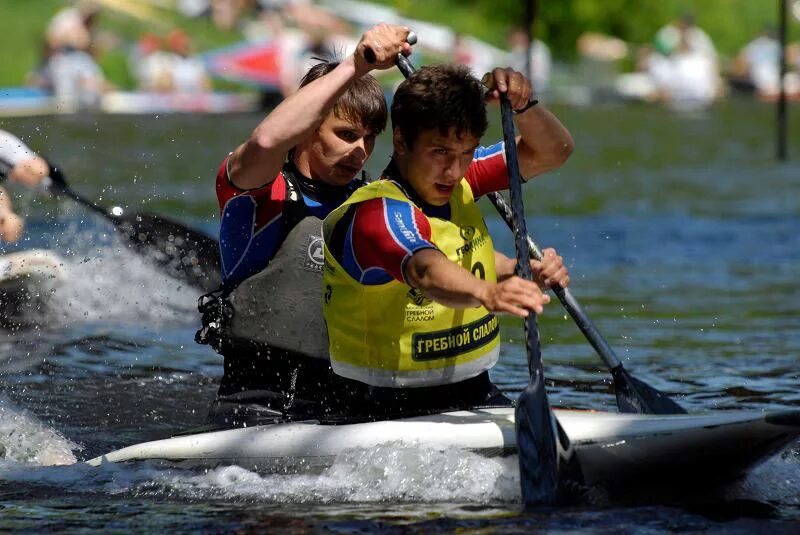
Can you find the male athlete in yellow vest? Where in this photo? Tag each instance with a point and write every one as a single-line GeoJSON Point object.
{"type": "Point", "coordinates": [412, 282]}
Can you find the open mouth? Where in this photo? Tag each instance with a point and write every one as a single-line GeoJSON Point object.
{"type": "Point", "coordinates": [445, 189]}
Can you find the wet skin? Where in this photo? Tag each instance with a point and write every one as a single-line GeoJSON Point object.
{"type": "Point", "coordinates": [435, 163]}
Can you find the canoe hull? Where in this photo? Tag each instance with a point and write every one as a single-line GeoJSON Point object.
{"type": "Point", "coordinates": [609, 449]}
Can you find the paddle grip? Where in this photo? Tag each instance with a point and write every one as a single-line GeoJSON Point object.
{"type": "Point", "coordinates": [411, 39]}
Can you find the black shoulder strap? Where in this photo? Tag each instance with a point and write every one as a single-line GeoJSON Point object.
{"type": "Point", "coordinates": [294, 209]}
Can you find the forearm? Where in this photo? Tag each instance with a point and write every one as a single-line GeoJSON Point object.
{"type": "Point", "coordinates": [443, 281]}
{"type": "Point", "coordinates": [504, 266]}
{"type": "Point", "coordinates": [11, 225]}
{"type": "Point", "coordinates": [544, 143]}
{"type": "Point", "coordinates": [258, 159]}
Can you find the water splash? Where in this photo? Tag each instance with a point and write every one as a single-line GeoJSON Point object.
{"type": "Point", "coordinates": [107, 283]}
{"type": "Point", "coordinates": [390, 473]}
{"type": "Point", "coordinates": [25, 439]}
{"type": "Point", "coordinates": [119, 285]}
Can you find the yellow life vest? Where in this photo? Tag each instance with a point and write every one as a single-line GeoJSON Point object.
{"type": "Point", "coordinates": [389, 334]}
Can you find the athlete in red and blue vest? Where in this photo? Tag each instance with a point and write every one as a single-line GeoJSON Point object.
{"type": "Point", "coordinates": [254, 223]}
{"type": "Point", "coordinates": [274, 189]}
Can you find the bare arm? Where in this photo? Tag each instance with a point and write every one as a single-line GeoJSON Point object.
{"type": "Point", "coordinates": [544, 142]}
{"type": "Point", "coordinates": [447, 283]}
{"type": "Point", "coordinates": [11, 225]}
{"type": "Point", "coordinates": [504, 266]}
{"type": "Point", "coordinates": [258, 160]}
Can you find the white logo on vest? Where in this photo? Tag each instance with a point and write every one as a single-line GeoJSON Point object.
{"type": "Point", "coordinates": [315, 257]}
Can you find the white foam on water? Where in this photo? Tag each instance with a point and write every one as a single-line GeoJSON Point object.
{"type": "Point", "coordinates": [115, 284]}
{"type": "Point", "coordinates": [390, 473]}
{"type": "Point", "coordinates": [384, 475]}
{"type": "Point", "coordinates": [26, 439]}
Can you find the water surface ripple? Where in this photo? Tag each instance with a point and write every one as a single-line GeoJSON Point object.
{"type": "Point", "coordinates": [682, 238]}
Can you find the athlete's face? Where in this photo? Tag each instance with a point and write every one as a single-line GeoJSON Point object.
{"type": "Point", "coordinates": [338, 150]}
{"type": "Point", "coordinates": [436, 162]}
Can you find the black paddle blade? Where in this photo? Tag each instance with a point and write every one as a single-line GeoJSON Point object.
{"type": "Point", "coordinates": [536, 441]}
{"type": "Point", "coordinates": [637, 397]}
{"type": "Point", "coordinates": [183, 253]}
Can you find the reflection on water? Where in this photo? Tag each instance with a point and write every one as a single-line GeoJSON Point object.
{"type": "Point", "coordinates": [681, 236]}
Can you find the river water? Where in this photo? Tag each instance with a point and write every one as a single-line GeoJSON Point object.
{"type": "Point", "coordinates": [681, 234]}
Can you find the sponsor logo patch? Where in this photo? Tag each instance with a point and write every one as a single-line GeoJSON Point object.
{"type": "Point", "coordinates": [315, 254]}
{"type": "Point", "coordinates": [456, 341]}
{"type": "Point", "coordinates": [467, 233]}
{"type": "Point", "coordinates": [418, 298]}
{"type": "Point", "coordinates": [472, 240]}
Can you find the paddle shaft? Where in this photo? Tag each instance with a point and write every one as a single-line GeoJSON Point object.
{"type": "Point", "coordinates": [66, 190]}
{"type": "Point", "coordinates": [571, 304]}
{"type": "Point", "coordinates": [536, 436]}
{"type": "Point", "coordinates": [522, 245]}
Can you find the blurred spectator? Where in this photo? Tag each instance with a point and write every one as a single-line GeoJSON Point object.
{"type": "Point", "coordinates": [226, 14]}
{"type": "Point", "coordinates": [302, 33]}
{"type": "Point", "coordinates": [680, 69]}
{"type": "Point", "coordinates": [71, 27]}
{"type": "Point", "coordinates": [76, 78]}
{"type": "Point", "coordinates": [758, 66]}
{"type": "Point", "coordinates": [684, 32]}
{"type": "Point", "coordinates": [189, 73]}
{"type": "Point", "coordinates": [759, 63]}
{"type": "Point", "coordinates": [691, 79]}
{"type": "Point", "coordinates": [193, 8]}
{"type": "Point", "coordinates": [67, 68]}
{"type": "Point", "coordinates": [311, 18]}
{"type": "Point", "coordinates": [601, 47]}
{"type": "Point", "coordinates": [540, 59]}
{"type": "Point", "coordinates": [151, 65]}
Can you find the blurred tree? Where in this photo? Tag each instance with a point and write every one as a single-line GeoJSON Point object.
{"type": "Point", "coordinates": [730, 23]}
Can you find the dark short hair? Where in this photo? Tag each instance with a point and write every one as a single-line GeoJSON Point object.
{"type": "Point", "coordinates": [444, 96]}
{"type": "Point", "coordinates": [363, 102]}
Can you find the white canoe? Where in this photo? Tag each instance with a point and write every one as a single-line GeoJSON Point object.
{"type": "Point", "coordinates": [610, 448]}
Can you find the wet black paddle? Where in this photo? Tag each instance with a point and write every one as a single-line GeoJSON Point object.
{"type": "Point", "coordinates": [182, 252]}
{"type": "Point", "coordinates": [536, 435]}
{"type": "Point", "coordinates": [633, 395]}
{"type": "Point", "coordinates": [535, 423]}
